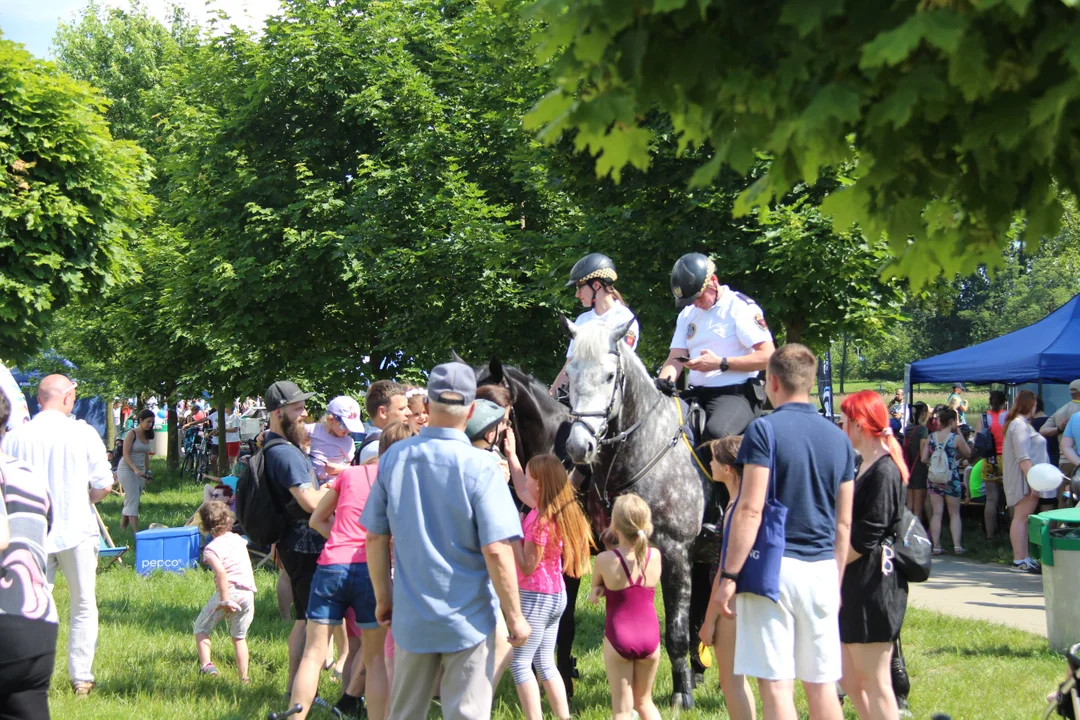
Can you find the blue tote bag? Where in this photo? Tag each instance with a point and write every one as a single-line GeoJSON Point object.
{"type": "Point", "coordinates": [760, 574]}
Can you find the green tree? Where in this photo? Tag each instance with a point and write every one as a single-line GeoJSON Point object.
{"type": "Point", "coordinates": [71, 197]}
{"type": "Point", "coordinates": [956, 115]}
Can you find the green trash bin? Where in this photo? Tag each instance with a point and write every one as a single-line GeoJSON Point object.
{"type": "Point", "coordinates": [1059, 552]}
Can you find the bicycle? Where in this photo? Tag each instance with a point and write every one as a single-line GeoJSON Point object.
{"type": "Point", "coordinates": [192, 438]}
{"type": "Point", "coordinates": [294, 710]}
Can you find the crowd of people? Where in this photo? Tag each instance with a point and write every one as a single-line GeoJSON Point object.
{"type": "Point", "coordinates": [434, 559]}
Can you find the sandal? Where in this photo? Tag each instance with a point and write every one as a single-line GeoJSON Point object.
{"type": "Point", "coordinates": [958, 550]}
{"type": "Point", "coordinates": [937, 551]}
{"type": "Point", "coordinates": [245, 681]}
{"type": "Point", "coordinates": [82, 688]}
{"type": "Point", "coordinates": [208, 669]}
{"type": "Point", "coordinates": [335, 676]}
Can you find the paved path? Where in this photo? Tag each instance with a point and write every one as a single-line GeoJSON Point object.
{"type": "Point", "coordinates": [984, 592]}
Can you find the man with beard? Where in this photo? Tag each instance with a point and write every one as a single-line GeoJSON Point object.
{"type": "Point", "coordinates": [289, 466]}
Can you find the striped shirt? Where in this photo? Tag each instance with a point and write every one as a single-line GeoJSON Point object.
{"type": "Point", "coordinates": [28, 512]}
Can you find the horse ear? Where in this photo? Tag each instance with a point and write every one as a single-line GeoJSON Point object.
{"type": "Point", "coordinates": [495, 367]}
{"type": "Point", "coordinates": [620, 332]}
{"type": "Point", "coordinates": [454, 357]}
{"type": "Point", "coordinates": [568, 327]}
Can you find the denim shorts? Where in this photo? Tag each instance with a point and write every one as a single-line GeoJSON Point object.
{"type": "Point", "coordinates": [336, 588]}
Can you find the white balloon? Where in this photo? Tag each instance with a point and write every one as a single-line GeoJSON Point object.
{"type": "Point", "coordinates": [1043, 477]}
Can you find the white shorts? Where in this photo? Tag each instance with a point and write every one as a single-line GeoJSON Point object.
{"type": "Point", "coordinates": [238, 621]}
{"type": "Point", "coordinates": [798, 637]}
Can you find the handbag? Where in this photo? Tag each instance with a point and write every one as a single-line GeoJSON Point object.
{"type": "Point", "coordinates": [760, 574]}
{"type": "Point", "coordinates": [911, 547]}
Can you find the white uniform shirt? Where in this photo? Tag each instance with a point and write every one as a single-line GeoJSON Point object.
{"type": "Point", "coordinates": [616, 315]}
{"type": "Point", "coordinates": [72, 456]}
{"type": "Point", "coordinates": [232, 428]}
{"type": "Point", "coordinates": [730, 328]}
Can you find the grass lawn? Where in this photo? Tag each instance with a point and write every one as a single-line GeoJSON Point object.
{"type": "Point", "coordinates": [146, 666]}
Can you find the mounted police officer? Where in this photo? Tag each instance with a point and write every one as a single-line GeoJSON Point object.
{"type": "Point", "coordinates": [724, 335]}
{"type": "Point", "coordinates": [594, 277]}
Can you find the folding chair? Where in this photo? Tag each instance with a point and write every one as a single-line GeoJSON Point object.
{"type": "Point", "coordinates": [258, 554]}
{"type": "Point", "coordinates": [106, 547]}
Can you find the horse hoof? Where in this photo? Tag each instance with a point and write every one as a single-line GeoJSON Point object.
{"type": "Point", "coordinates": [682, 701]}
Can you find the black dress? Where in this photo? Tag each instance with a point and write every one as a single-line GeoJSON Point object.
{"type": "Point", "coordinates": [873, 603]}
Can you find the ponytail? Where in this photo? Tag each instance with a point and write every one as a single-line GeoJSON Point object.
{"type": "Point", "coordinates": [632, 518]}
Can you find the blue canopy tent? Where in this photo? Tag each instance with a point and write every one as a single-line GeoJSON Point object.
{"type": "Point", "coordinates": [1047, 351]}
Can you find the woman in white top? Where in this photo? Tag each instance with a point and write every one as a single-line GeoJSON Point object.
{"type": "Point", "coordinates": [1023, 447]}
{"type": "Point", "coordinates": [594, 277]}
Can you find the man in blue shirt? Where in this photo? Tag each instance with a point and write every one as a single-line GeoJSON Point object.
{"type": "Point", "coordinates": [453, 522]}
{"type": "Point", "coordinates": [799, 636]}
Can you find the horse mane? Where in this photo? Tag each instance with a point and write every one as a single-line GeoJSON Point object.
{"type": "Point", "coordinates": [592, 342]}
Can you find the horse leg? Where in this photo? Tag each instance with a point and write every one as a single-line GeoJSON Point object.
{"type": "Point", "coordinates": [675, 581]}
{"type": "Point", "coordinates": [564, 641]}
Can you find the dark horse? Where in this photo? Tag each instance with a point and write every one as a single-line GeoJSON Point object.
{"type": "Point", "coordinates": [632, 437]}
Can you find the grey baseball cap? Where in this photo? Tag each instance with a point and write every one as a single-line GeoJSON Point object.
{"type": "Point", "coordinates": [452, 383]}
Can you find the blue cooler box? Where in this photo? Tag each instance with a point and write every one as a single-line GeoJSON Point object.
{"type": "Point", "coordinates": [168, 549]}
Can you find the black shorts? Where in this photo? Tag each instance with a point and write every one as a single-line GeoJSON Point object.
{"type": "Point", "coordinates": [300, 567]}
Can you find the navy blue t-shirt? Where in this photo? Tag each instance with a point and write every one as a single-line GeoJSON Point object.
{"type": "Point", "coordinates": [289, 467]}
{"type": "Point", "coordinates": [813, 457]}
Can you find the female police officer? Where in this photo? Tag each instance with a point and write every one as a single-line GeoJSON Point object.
{"type": "Point", "coordinates": [724, 335]}
{"type": "Point", "coordinates": [594, 277]}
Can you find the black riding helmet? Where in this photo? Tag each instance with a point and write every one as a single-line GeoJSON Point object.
{"type": "Point", "coordinates": [689, 276]}
{"type": "Point", "coordinates": [594, 266]}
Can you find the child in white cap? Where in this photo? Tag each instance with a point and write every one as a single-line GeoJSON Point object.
{"type": "Point", "coordinates": [332, 445]}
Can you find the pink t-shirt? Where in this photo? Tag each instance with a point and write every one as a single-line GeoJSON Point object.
{"type": "Point", "coordinates": [348, 538]}
{"type": "Point", "coordinates": [547, 578]}
{"type": "Point", "coordinates": [231, 550]}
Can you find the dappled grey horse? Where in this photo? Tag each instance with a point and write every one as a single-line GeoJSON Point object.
{"type": "Point", "coordinates": [631, 436]}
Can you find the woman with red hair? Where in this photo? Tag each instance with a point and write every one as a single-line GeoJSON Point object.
{"type": "Point", "coordinates": [873, 594]}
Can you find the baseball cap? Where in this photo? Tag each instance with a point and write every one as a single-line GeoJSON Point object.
{"type": "Point", "coordinates": [347, 410]}
{"type": "Point", "coordinates": [452, 378]}
{"type": "Point", "coordinates": [1074, 386]}
{"type": "Point", "coordinates": [486, 416]}
{"type": "Point", "coordinates": [283, 393]}
{"type": "Point", "coordinates": [959, 385]}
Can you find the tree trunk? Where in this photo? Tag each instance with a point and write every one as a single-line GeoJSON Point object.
{"type": "Point", "coordinates": [223, 453]}
{"type": "Point", "coordinates": [110, 427]}
{"type": "Point", "coordinates": [793, 331]}
{"type": "Point", "coordinates": [173, 462]}
{"type": "Point", "coordinates": [843, 364]}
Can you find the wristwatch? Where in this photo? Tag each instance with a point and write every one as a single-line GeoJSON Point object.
{"type": "Point", "coordinates": [725, 575]}
{"type": "Point", "coordinates": [723, 365]}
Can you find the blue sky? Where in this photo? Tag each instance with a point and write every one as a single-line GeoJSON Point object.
{"type": "Point", "coordinates": [33, 22]}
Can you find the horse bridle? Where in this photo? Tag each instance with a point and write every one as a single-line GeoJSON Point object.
{"type": "Point", "coordinates": [620, 438]}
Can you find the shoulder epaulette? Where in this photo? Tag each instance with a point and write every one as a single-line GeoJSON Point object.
{"type": "Point", "coordinates": [745, 298]}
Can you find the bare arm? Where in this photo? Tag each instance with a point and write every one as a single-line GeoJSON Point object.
{"type": "Point", "coordinates": [517, 474]}
{"type": "Point", "coordinates": [378, 559]}
{"type": "Point", "coordinates": [1068, 449]}
{"type": "Point", "coordinates": [597, 580]}
{"type": "Point", "coordinates": [99, 494]}
{"type": "Point", "coordinates": [924, 449]}
{"type": "Point", "coordinates": [531, 558]}
{"type": "Point", "coordinates": [1049, 428]}
{"type": "Point", "coordinates": [708, 361]}
{"type": "Point", "coordinates": [5, 533]}
{"type": "Point", "coordinates": [129, 440]}
{"type": "Point", "coordinates": [845, 495]}
{"type": "Point", "coordinates": [560, 380]}
{"type": "Point", "coordinates": [673, 367]}
{"type": "Point", "coordinates": [322, 517]}
{"type": "Point", "coordinates": [308, 498]}
{"type": "Point", "coordinates": [499, 558]}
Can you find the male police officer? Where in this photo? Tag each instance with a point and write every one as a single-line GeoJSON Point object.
{"type": "Point", "coordinates": [724, 335]}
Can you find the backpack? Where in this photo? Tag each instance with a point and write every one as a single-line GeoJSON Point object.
{"type": "Point", "coordinates": [984, 441]}
{"type": "Point", "coordinates": [260, 507]}
{"type": "Point", "coordinates": [368, 439]}
{"type": "Point", "coordinates": [938, 470]}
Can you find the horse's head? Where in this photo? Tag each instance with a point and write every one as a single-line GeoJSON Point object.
{"type": "Point", "coordinates": [597, 380]}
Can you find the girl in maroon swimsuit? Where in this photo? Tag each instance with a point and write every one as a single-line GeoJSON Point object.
{"type": "Point", "coordinates": [627, 576]}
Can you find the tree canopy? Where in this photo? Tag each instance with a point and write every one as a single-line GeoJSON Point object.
{"type": "Point", "coordinates": [955, 116]}
{"type": "Point", "coordinates": [71, 197]}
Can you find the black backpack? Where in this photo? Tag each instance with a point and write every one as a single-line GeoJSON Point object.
{"type": "Point", "coordinates": [368, 439]}
{"type": "Point", "coordinates": [261, 508]}
{"type": "Point", "coordinates": [985, 447]}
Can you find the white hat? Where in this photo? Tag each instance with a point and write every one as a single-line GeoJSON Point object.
{"type": "Point", "coordinates": [347, 410]}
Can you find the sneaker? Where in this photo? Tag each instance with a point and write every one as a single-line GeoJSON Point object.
{"type": "Point", "coordinates": [208, 669]}
{"type": "Point", "coordinates": [1033, 566]}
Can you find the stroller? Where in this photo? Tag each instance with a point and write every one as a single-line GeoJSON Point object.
{"type": "Point", "coordinates": [1065, 701]}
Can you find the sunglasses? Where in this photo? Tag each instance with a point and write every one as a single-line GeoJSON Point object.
{"type": "Point", "coordinates": [887, 556]}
